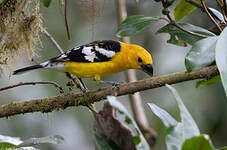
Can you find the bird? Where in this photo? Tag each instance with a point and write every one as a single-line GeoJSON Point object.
{"type": "Point", "coordinates": [98, 59]}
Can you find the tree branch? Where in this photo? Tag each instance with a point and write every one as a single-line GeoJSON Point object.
{"type": "Point", "coordinates": [68, 100]}
{"type": "Point", "coordinates": [33, 83]}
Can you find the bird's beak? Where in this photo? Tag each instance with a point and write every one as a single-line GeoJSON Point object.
{"type": "Point", "coordinates": [148, 69]}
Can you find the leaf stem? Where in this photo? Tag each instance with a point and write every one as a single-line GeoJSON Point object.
{"type": "Point", "coordinates": [209, 15]}
{"type": "Point", "coordinates": [173, 22]}
{"type": "Point", "coordinates": [184, 30]}
{"type": "Point", "coordinates": [196, 4]}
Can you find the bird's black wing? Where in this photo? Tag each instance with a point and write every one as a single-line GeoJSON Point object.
{"type": "Point", "coordinates": [97, 51]}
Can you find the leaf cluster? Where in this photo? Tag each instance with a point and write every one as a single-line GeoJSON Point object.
{"type": "Point", "coordinates": [180, 135]}
{"type": "Point", "coordinates": [207, 46]}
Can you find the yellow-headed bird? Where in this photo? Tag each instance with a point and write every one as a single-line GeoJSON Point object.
{"type": "Point", "coordinates": [97, 59]}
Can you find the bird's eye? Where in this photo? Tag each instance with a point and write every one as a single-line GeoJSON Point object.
{"type": "Point", "coordinates": [140, 60]}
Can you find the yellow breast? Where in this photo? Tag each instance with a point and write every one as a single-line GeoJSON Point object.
{"type": "Point", "coordinates": [96, 69]}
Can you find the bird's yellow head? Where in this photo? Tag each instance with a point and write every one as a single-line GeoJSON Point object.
{"type": "Point", "coordinates": [139, 58]}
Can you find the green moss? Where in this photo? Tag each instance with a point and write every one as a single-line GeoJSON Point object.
{"type": "Point", "coordinates": [19, 30]}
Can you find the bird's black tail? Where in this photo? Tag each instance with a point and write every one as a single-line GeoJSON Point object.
{"type": "Point", "coordinates": [22, 70]}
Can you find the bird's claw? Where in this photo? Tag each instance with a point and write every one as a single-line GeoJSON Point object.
{"type": "Point", "coordinates": [113, 83]}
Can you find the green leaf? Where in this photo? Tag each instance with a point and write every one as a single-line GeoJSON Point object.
{"type": "Point", "coordinates": [217, 14]}
{"type": "Point", "coordinates": [175, 138]}
{"type": "Point", "coordinates": [177, 132]}
{"type": "Point", "coordinates": [201, 142]}
{"type": "Point", "coordinates": [165, 117]}
{"type": "Point", "coordinates": [201, 54]}
{"type": "Point", "coordinates": [189, 126]}
{"type": "Point", "coordinates": [212, 80]}
{"type": "Point", "coordinates": [8, 143]}
{"type": "Point", "coordinates": [143, 145]}
{"type": "Point", "coordinates": [55, 139]}
{"type": "Point", "coordinates": [221, 57]}
{"type": "Point", "coordinates": [46, 3]}
{"type": "Point", "coordinates": [179, 37]}
{"type": "Point", "coordinates": [11, 140]}
{"type": "Point", "coordinates": [133, 24]}
{"type": "Point", "coordinates": [5, 146]}
{"type": "Point", "coordinates": [128, 120]}
{"type": "Point", "coordinates": [182, 9]}
{"type": "Point", "coordinates": [103, 143]}
{"type": "Point", "coordinates": [18, 143]}
{"type": "Point", "coordinates": [174, 129]}
{"type": "Point", "coordinates": [136, 140]}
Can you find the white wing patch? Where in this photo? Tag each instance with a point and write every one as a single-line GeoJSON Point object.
{"type": "Point", "coordinates": [73, 49]}
{"type": "Point", "coordinates": [105, 52]}
{"type": "Point", "coordinates": [62, 56]}
{"type": "Point", "coordinates": [90, 56]}
{"type": "Point", "coordinates": [76, 48]}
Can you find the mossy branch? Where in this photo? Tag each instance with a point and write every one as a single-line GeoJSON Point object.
{"type": "Point", "coordinates": [68, 100]}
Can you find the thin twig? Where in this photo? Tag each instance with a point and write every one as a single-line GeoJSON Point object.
{"type": "Point", "coordinates": [171, 21]}
{"type": "Point", "coordinates": [33, 83]}
{"type": "Point", "coordinates": [66, 20]}
{"type": "Point", "coordinates": [225, 7]}
{"type": "Point", "coordinates": [198, 5]}
{"type": "Point", "coordinates": [209, 15]}
{"type": "Point", "coordinates": [184, 30]}
{"type": "Point", "coordinates": [135, 99]}
{"type": "Point", "coordinates": [81, 99]}
{"type": "Point", "coordinates": [76, 80]}
{"type": "Point", "coordinates": [195, 3]}
{"type": "Point", "coordinates": [53, 41]}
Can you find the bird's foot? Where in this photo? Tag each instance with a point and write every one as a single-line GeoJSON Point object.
{"type": "Point", "coordinates": [113, 86]}
{"type": "Point", "coordinates": [113, 83]}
